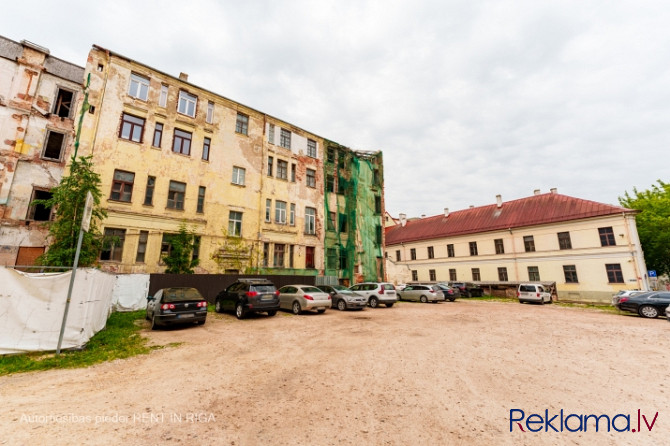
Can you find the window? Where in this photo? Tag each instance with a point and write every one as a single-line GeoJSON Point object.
{"type": "Point", "coordinates": [132, 128]}
{"type": "Point", "coordinates": [432, 275]}
{"type": "Point", "coordinates": [412, 254]}
{"type": "Point", "coordinates": [331, 154]}
{"type": "Point", "coordinates": [122, 186]}
{"type": "Point", "coordinates": [606, 236]}
{"type": "Point", "coordinates": [450, 250]}
{"type": "Point", "coordinates": [378, 205]}
{"type": "Point", "coordinates": [476, 275]}
{"type": "Point", "coordinates": [452, 274]}
{"type": "Point", "coordinates": [529, 243]}
{"type": "Point", "coordinates": [614, 274]}
{"type": "Point", "coordinates": [570, 272]}
{"type": "Point", "coordinates": [309, 257]}
{"type": "Point", "coordinates": [205, 148]}
{"type": "Point", "coordinates": [285, 139]}
{"type": "Point", "coordinates": [112, 245]}
{"type": "Point", "coordinates": [235, 224]}
{"type": "Point", "coordinates": [63, 104]}
{"type": "Point", "coordinates": [279, 255]}
{"type": "Point", "coordinates": [280, 212]}
{"type": "Point", "coordinates": [162, 100]}
{"type": "Point", "coordinates": [500, 246]}
{"type": "Point", "coordinates": [238, 175]}
{"type": "Point", "coordinates": [271, 133]}
{"type": "Point", "coordinates": [375, 178]}
{"type": "Point", "coordinates": [564, 241]}
{"type": "Point", "coordinates": [195, 254]}
{"type": "Point", "coordinates": [282, 169]}
{"type": "Point", "coordinates": [149, 192]}
{"type": "Point", "coordinates": [378, 234]}
{"type": "Point", "coordinates": [340, 158]}
{"type": "Point", "coordinates": [331, 221]}
{"type": "Point", "coordinates": [270, 164]}
{"type": "Point", "coordinates": [40, 212]}
{"type": "Point", "coordinates": [187, 104]}
{"type": "Point", "coordinates": [330, 183]}
{"type": "Point", "coordinates": [176, 194]}
{"type": "Point", "coordinates": [53, 147]}
{"type": "Point", "coordinates": [415, 275]}
{"type": "Point", "coordinates": [139, 87]}
{"type": "Point", "coordinates": [533, 274]}
{"type": "Point", "coordinates": [200, 208]}
{"type": "Point", "coordinates": [502, 274]}
{"type": "Point", "coordinates": [158, 135]}
{"type": "Point", "coordinates": [473, 249]}
{"type": "Point", "coordinates": [142, 246]}
{"type": "Point", "coordinates": [210, 112]}
{"type": "Point", "coordinates": [311, 178]}
{"type": "Point", "coordinates": [311, 148]}
{"type": "Point", "coordinates": [343, 222]}
{"type": "Point", "coordinates": [344, 260]}
{"type": "Point", "coordinates": [397, 255]}
{"type": "Point", "coordinates": [181, 142]}
{"type": "Point", "coordinates": [310, 221]}
{"type": "Point", "coordinates": [291, 256]}
{"type": "Point", "coordinates": [166, 246]}
{"type": "Point", "coordinates": [431, 252]}
{"type": "Point", "coordinates": [293, 173]}
{"type": "Point", "coordinates": [242, 124]}
{"type": "Point", "coordinates": [331, 258]}
{"type": "Point", "coordinates": [266, 254]}
{"type": "Point", "coordinates": [341, 185]}
{"type": "Point", "coordinates": [268, 209]}
{"type": "Point", "coordinates": [291, 216]}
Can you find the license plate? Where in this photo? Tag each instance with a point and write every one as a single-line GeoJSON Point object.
{"type": "Point", "coordinates": [186, 315]}
{"type": "Point", "coordinates": [267, 296]}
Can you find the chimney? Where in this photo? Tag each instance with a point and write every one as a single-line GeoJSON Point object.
{"type": "Point", "coordinates": [553, 190]}
{"type": "Point", "coordinates": [423, 215]}
{"type": "Point", "coordinates": [499, 200]}
{"type": "Point", "coordinates": [472, 206]}
{"type": "Point", "coordinates": [403, 219]}
{"type": "Point", "coordinates": [446, 212]}
{"type": "Point", "coordinates": [183, 77]}
{"type": "Point", "coordinates": [536, 192]}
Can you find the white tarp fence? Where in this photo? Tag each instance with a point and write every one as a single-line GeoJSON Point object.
{"type": "Point", "coordinates": [32, 306]}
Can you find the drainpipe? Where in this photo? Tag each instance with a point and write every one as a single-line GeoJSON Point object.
{"type": "Point", "coordinates": [102, 99]}
{"type": "Point", "coordinates": [516, 265]}
{"type": "Point", "coordinates": [640, 282]}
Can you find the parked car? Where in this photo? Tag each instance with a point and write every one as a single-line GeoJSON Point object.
{"type": "Point", "coordinates": [421, 293]}
{"type": "Point", "coordinates": [178, 305]}
{"type": "Point", "coordinates": [343, 298]}
{"type": "Point", "coordinates": [468, 289]}
{"type": "Point", "coordinates": [624, 293]}
{"type": "Point", "coordinates": [649, 304]}
{"type": "Point", "coordinates": [667, 312]}
{"type": "Point", "coordinates": [246, 296]}
{"type": "Point", "coordinates": [400, 286]}
{"type": "Point", "coordinates": [450, 293]}
{"type": "Point", "coordinates": [377, 293]}
{"type": "Point", "coordinates": [533, 292]}
{"type": "Point", "coordinates": [299, 298]}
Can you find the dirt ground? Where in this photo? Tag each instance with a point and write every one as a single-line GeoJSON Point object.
{"type": "Point", "coordinates": [414, 374]}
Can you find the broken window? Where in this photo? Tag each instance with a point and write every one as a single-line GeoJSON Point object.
{"type": "Point", "coordinates": [112, 246]}
{"type": "Point", "coordinates": [242, 124]}
{"type": "Point", "coordinates": [311, 178]}
{"type": "Point", "coordinates": [39, 212]}
{"type": "Point", "coordinates": [176, 194]}
{"type": "Point", "coordinates": [53, 147]}
{"type": "Point", "coordinates": [122, 186]}
{"type": "Point", "coordinates": [63, 105]}
{"type": "Point", "coordinates": [309, 257]}
{"type": "Point", "coordinates": [142, 246]}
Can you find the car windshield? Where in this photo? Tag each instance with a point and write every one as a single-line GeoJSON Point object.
{"type": "Point", "coordinates": [311, 289]}
{"type": "Point", "coordinates": [181, 294]}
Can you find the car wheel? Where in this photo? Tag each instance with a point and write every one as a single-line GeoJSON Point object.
{"type": "Point", "coordinates": [154, 324]}
{"type": "Point", "coordinates": [451, 299]}
{"type": "Point", "coordinates": [341, 305]}
{"type": "Point", "coordinates": [648, 311]}
{"type": "Point", "coordinates": [296, 307]}
{"type": "Point", "coordinates": [200, 322]}
{"type": "Point", "coordinates": [239, 310]}
{"type": "Point", "coordinates": [373, 302]}
{"type": "Point", "coordinates": [468, 294]}
{"type": "Point", "coordinates": [423, 299]}
{"type": "Point", "coordinates": [272, 313]}
{"type": "Point", "coordinates": [542, 301]}
{"type": "Point", "coordinates": [321, 311]}
{"type": "Point", "coordinates": [218, 307]}
{"type": "Point", "coordinates": [389, 305]}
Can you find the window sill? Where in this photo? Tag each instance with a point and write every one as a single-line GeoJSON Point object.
{"type": "Point", "coordinates": [140, 142]}
{"type": "Point", "coordinates": [187, 155]}
{"type": "Point", "coordinates": [239, 185]}
{"type": "Point", "coordinates": [156, 148]}
{"type": "Point", "coordinates": [204, 160]}
{"type": "Point", "coordinates": [241, 133]}
{"type": "Point", "coordinates": [119, 201]}
{"type": "Point", "coordinates": [173, 209]}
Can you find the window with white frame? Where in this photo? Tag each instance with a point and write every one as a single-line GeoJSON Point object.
{"type": "Point", "coordinates": [310, 220]}
{"type": "Point", "coordinates": [162, 100]}
{"type": "Point", "coordinates": [139, 87]}
{"type": "Point", "coordinates": [238, 175]}
{"type": "Point", "coordinates": [235, 223]}
{"type": "Point", "coordinates": [271, 133]}
{"type": "Point", "coordinates": [280, 212]}
{"type": "Point", "coordinates": [210, 112]}
{"type": "Point", "coordinates": [291, 215]}
{"type": "Point", "coordinates": [311, 148]}
{"type": "Point", "coordinates": [187, 104]}
{"type": "Point", "coordinates": [268, 209]}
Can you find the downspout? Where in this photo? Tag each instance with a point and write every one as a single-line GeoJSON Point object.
{"type": "Point", "coordinates": [102, 99]}
{"type": "Point", "coordinates": [632, 254]}
{"type": "Point", "coordinates": [516, 265]}
{"type": "Point", "coordinates": [261, 206]}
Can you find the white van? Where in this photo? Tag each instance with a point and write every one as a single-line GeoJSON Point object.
{"type": "Point", "coordinates": [532, 292]}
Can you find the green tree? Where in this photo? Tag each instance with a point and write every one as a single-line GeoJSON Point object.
{"type": "Point", "coordinates": [234, 253]}
{"type": "Point", "coordinates": [653, 223]}
{"type": "Point", "coordinates": [180, 258]}
{"type": "Point", "coordinates": [68, 199]}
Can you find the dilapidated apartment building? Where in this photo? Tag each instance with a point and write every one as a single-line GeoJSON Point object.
{"type": "Point", "coordinates": [37, 94]}
{"type": "Point", "coordinates": [251, 186]}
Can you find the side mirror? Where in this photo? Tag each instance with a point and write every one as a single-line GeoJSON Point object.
{"type": "Point", "coordinates": [332, 293]}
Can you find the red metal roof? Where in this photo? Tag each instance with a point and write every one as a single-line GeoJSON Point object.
{"type": "Point", "coordinates": [535, 210]}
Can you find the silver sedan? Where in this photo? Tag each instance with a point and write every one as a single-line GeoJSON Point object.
{"type": "Point", "coordinates": [422, 293]}
{"type": "Point", "coordinates": [299, 298]}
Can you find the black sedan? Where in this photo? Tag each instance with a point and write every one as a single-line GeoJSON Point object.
{"type": "Point", "coordinates": [450, 293]}
{"type": "Point", "coordinates": [171, 306]}
{"type": "Point", "coordinates": [649, 304]}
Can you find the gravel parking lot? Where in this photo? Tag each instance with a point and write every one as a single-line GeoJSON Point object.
{"type": "Point", "coordinates": [414, 374]}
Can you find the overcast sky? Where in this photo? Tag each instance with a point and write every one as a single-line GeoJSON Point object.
{"type": "Point", "coordinates": [466, 99]}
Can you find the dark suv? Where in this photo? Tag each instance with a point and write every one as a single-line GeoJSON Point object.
{"type": "Point", "coordinates": [248, 296]}
{"type": "Point", "coordinates": [468, 289]}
